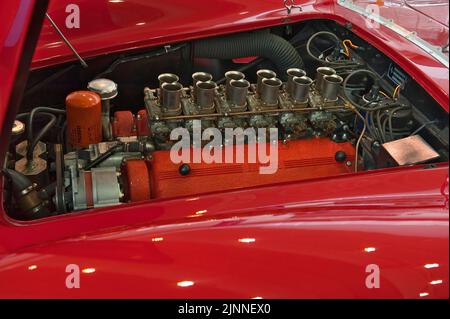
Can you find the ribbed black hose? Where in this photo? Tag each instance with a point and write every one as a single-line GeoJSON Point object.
{"type": "Point", "coordinates": [261, 44]}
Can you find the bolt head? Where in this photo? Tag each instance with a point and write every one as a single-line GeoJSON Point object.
{"type": "Point", "coordinates": [184, 170]}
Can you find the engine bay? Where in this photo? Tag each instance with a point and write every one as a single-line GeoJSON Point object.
{"type": "Point", "coordinates": [87, 139]}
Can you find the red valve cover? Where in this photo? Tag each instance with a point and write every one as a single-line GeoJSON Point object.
{"type": "Point", "coordinates": [297, 160]}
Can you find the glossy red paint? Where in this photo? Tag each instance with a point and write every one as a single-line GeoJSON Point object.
{"type": "Point", "coordinates": [311, 239]}
{"type": "Point", "coordinates": [300, 240]}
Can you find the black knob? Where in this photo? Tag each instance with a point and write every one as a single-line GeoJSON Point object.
{"type": "Point", "coordinates": [340, 156]}
{"type": "Point", "coordinates": [184, 169]}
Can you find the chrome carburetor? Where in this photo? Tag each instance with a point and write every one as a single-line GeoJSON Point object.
{"type": "Point", "coordinates": [299, 108]}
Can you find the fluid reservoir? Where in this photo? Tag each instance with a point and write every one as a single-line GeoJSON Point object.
{"type": "Point", "coordinates": [84, 118]}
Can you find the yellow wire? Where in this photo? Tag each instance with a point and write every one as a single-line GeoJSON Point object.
{"type": "Point", "coordinates": [384, 94]}
{"type": "Point", "coordinates": [346, 52]}
{"type": "Point", "coordinates": [396, 92]}
{"type": "Point", "coordinates": [346, 49]}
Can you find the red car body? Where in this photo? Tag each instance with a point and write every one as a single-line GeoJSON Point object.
{"type": "Point", "coordinates": [312, 239]}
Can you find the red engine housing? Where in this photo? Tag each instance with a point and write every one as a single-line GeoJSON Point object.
{"type": "Point", "coordinates": [297, 160]}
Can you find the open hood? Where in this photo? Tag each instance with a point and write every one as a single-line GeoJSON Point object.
{"type": "Point", "coordinates": [107, 26]}
{"type": "Point", "coordinates": [146, 23]}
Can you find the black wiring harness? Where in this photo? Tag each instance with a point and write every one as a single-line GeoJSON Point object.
{"type": "Point", "coordinates": [379, 111]}
{"type": "Point", "coordinates": [46, 112]}
{"type": "Point", "coordinates": [341, 65]}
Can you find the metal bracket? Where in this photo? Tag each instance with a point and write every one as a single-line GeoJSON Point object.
{"type": "Point", "coordinates": [445, 48]}
{"type": "Point", "coordinates": [290, 4]}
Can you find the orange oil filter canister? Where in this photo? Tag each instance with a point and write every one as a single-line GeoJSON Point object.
{"type": "Point", "coordinates": [84, 122]}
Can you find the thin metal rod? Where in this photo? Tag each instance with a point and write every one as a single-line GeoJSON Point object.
{"type": "Point", "coordinates": [83, 63]}
{"type": "Point", "coordinates": [249, 113]}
